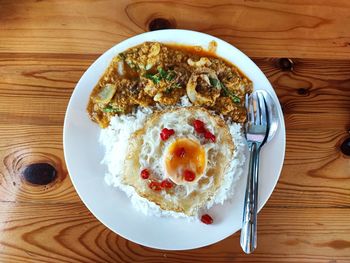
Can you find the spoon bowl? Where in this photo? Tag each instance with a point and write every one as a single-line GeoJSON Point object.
{"type": "Point", "coordinates": [272, 115]}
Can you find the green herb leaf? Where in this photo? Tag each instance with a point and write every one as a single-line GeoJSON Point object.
{"type": "Point", "coordinates": [234, 98]}
{"type": "Point", "coordinates": [176, 86]}
{"type": "Point", "coordinates": [230, 94]}
{"type": "Point", "coordinates": [237, 100]}
{"type": "Point", "coordinates": [172, 87]}
{"type": "Point", "coordinates": [168, 90]}
{"type": "Point", "coordinates": [170, 75]}
{"type": "Point", "coordinates": [162, 73]}
{"type": "Point", "coordinates": [112, 109]}
{"type": "Point", "coordinates": [217, 83]}
{"type": "Point", "coordinates": [121, 56]}
{"type": "Point", "coordinates": [154, 78]}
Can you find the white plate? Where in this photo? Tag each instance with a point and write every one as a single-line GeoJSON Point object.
{"type": "Point", "coordinates": [83, 154]}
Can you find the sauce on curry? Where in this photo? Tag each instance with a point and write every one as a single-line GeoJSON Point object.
{"type": "Point", "coordinates": [156, 73]}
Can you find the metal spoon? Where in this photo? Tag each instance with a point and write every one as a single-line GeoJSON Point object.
{"type": "Point", "coordinates": [272, 114]}
{"type": "Point", "coordinates": [269, 116]}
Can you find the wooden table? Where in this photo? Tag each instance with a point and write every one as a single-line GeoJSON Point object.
{"type": "Point", "coordinates": [302, 46]}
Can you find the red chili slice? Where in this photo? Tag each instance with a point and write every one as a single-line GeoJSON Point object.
{"type": "Point", "coordinates": [166, 184]}
{"type": "Point", "coordinates": [189, 175]}
{"type": "Point", "coordinates": [155, 186]}
{"type": "Point", "coordinates": [166, 133]}
{"type": "Point", "coordinates": [207, 219]}
{"type": "Point", "coordinates": [210, 136]}
{"type": "Point", "coordinates": [144, 174]}
{"type": "Point", "coordinates": [199, 126]}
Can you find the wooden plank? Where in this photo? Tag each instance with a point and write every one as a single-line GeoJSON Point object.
{"type": "Point", "coordinates": [45, 46]}
{"type": "Point", "coordinates": [313, 93]}
{"type": "Point", "coordinates": [22, 145]}
{"type": "Point", "coordinates": [69, 233]}
{"type": "Point", "coordinates": [35, 89]}
{"type": "Point", "coordinates": [315, 172]}
{"type": "Point", "coordinates": [304, 29]}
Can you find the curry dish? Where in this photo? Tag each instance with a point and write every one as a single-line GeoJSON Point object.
{"type": "Point", "coordinates": [155, 73]}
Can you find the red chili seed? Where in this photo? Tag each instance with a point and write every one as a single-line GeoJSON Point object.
{"type": "Point", "coordinates": [180, 152]}
{"type": "Point", "coordinates": [189, 175]}
{"type": "Point", "coordinates": [199, 126]}
{"type": "Point", "coordinates": [166, 133]}
{"type": "Point", "coordinates": [207, 219]}
{"type": "Point", "coordinates": [155, 186]}
{"type": "Point", "coordinates": [166, 184]}
{"type": "Point", "coordinates": [210, 136]}
{"type": "Point", "coordinates": [144, 174]}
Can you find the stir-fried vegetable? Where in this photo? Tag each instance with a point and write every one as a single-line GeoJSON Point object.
{"type": "Point", "coordinates": [161, 75]}
{"type": "Point", "coordinates": [155, 73]}
{"type": "Point", "coordinates": [112, 109]}
{"type": "Point", "coordinates": [106, 94]}
{"type": "Point", "coordinates": [174, 86]}
{"type": "Point", "coordinates": [218, 84]}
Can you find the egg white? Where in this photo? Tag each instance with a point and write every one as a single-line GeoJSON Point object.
{"type": "Point", "coordinates": [152, 153]}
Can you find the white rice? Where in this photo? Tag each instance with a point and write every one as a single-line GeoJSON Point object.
{"type": "Point", "coordinates": [115, 140]}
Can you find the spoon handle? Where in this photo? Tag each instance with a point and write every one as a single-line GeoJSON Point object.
{"type": "Point", "coordinates": [249, 223]}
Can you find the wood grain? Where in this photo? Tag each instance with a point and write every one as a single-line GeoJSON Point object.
{"type": "Point", "coordinates": [314, 178]}
{"type": "Point", "coordinates": [53, 76]}
{"type": "Point", "coordinates": [22, 145]}
{"type": "Point", "coordinates": [326, 170]}
{"type": "Point", "coordinates": [314, 93]}
{"type": "Point", "coordinates": [301, 28]}
{"type": "Point", "coordinates": [303, 48]}
{"type": "Point", "coordinates": [50, 236]}
{"type": "Point", "coordinates": [315, 172]}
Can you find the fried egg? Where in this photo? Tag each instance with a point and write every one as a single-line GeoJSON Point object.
{"type": "Point", "coordinates": [192, 165]}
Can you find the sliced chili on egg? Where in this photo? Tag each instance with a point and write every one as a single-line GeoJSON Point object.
{"type": "Point", "coordinates": [189, 176]}
{"type": "Point", "coordinates": [208, 135]}
{"type": "Point", "coordinates": [144, 174]}
{"type": "Point", "coordinates": [166, 133]}
{"type": "Point", "coordinates": [155, 186]}
{"type": "Point", "coordinates": [166, 184]}
{"type": "Point", "coordinates": [199, 126]}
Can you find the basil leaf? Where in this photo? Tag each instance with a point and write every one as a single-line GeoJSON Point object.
{"type": "Point", "coordinates": [154, 78]}
{"type": "Point", "coordinates": [170, 75]}
{"type": "Point", "coordinates": [162, 73]}
{"type": "Point", "coordinates": [112, 109]}
{"type": "Point", "coordinates": [168, 90]}
{"type": "Point", "coordinates": [121, 56]}
{"type": "Point", "coordinates": [230, 94]}
{"type": "Point", "coordinates": [214, 82]}
{"type": "Point", "coordinates": [217, 83]}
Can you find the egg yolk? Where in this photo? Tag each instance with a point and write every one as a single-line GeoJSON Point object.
{"type": "Point", "coordinates": [185, 154]}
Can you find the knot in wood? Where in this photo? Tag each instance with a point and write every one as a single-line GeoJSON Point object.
{"type": "Point", "coordinates": [345, 147]}
{"type": "Point", "coordinates": [39, 173]}
{"type": "Point", "coordinates": [159, 24]}
{"type": "Point", "coordinates": [303, 91]}
{"type": "Point", "coordinates": [285, 64]}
